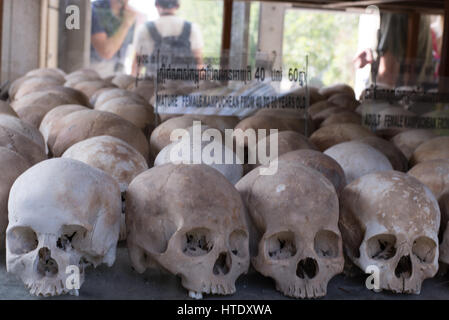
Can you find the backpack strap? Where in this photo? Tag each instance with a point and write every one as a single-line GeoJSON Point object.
{"type": "Point", "coordinates": [186, 30]}
{"type": "Point", "coordinates": [153, 32]}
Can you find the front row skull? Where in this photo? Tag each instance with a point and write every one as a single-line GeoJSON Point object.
{"type": "Point", "coordinates": [189, 220]}
{"type": "Point", "coordinates": [390, 221]}
{"type": "Point", "coordinates": [63, 215]}
{"type": "Point", "coordinates": [296, 213]}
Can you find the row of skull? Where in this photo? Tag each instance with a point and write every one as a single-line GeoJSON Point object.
{"type": "Point", "coordinates": [193, 221]}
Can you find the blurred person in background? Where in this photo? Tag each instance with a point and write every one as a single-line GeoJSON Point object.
{"type": "Point", "coordinates": [113, 24]}
{"type": "Point", "coordinates": [392, 46]}
{"type": "Point", "coordinates": [172, 36]}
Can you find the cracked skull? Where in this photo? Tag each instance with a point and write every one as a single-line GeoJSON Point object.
{"type": "Point", "coordinates": [62, 214]}
{"type": "Point", "coordinates": [189, 220]}
{"type": "Point", "coordinates": [296, 213]}
{"type": "Point", "coordinates": [390, 220]}
{"type": "Point", "coordinates": [113, 156]}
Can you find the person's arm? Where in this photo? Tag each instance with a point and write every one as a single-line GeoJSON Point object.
{"type": "Point", "coordinates": [107, 47]}
{"type": "Point", "coordinates": [198, 55]}
{"type": "Point", "coordinates": [197, 43]}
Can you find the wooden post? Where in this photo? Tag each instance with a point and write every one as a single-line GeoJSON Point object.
{"type": "Point", "coordinates": [74, 44]}
{"type": "Point", "coordinates": [444, 65]}
{"type": "Point", "coordinates": [226, 33]}
{"type": "Point", "coordinates": [1, 30]}
{"type": "Point", "coordinates": [412, 48]}
{"type": "Point", "coordinates": [20, 38]}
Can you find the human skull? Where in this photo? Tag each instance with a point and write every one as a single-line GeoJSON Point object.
{"type": "Point", "coordinates": [296, 213]}
{"type": "Point", "coordinates": [337, 88]}
{"type": "Point", "coordinates": [320, 162]}
{"type": "Point", "coordinates": [397, 159]}
{"type": "Point", "coordinates": [333, 134]}
{"type": "Point", "coordinates": [62, 214]}
{"type": "Point", "coordinates": [433, 149]}
{"type": "Point", "coordinates": [390, 220]}
{"type": "Point", "coordinates": [19, 143]}
{"type": "Point", "coordinates": [15, 165]}
{"type": "Point", "coordinates": [23, 128]}
{"type": "Point", "coordinates": [211, 152]}
{"type": "Point", "coordinates": [51, 118]}
{"type": "Point", "coordinates": [190, 220]}
{"type": "Point", "coordinates": [435, 175]}
{"type": "Point", "coordinates": [113, 156]}
{"type": "Point", "coordinates": [409, 140]}
{"type": "Point", "coordinates": [286, 141]}
{"type": "Point", "coordinates": [33, 107]}
{"type": "Point", "coordinates": [138, 113]}
{"type": "Point", "coordinates": [5, 108]}
{"type": "Point", "coordinates": [85, 124]}
{"type": "Point", "coordinates": [342, 117]}
{"type": "Point", "coordinates": [344, 100]}
{"type": "Point", "coordinates": [109, 94]}
{"type": "Point", "coordinates": [326, 113]}
{"type": "Point", "coordinates": [357, 159]}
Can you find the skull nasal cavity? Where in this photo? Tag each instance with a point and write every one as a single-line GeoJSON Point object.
{"type": "Point", "coordinates": [46, 266]}
{"type": "Point", "coordinates": [404, 268]}
{"type": "Point", "coordinates": [307, 268]}
{"type": "Point", "coordinates": [222, 265]}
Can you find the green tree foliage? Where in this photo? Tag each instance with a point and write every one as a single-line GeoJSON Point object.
{"type": "Point", "coordinates": [330, 40]}
{"type": "Point", "coordinates": [208, 15]}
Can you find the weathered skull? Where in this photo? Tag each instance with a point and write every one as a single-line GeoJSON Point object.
{"type": "Point", "coordinates": [333, 134]}
{"type": "Point", "coordinates": [397, 159]}
{"type": "Point", "coordinates": [319, 106]}
{"type": "Point", "coordinates": [139, 114]}
{"type": "Point", "coordinates": [342, 117]}
{"type": "Point", "coordinates": [5, 108]}
{"type": "Point", "coordinates": [211, 152]}
{"type": "Point", "coordinates": [190, 220]}
{"type": "Point", "coordinates": [113, 156]}
{"type": "Point", "coordinates": [409, 140]}
{"type": "Point", "coordinates": [48, 123]}
{"type": "Point", "coordinates": [433, 149]}
{"type": "Point", "coordinates": [344, 100]}
{"type": "Point", "coordinates": [286, 141]}
{"type": "Point", "coordinates": [19, 143]}
{"type": "Point", "coordinates": [85, 124]}
{"type": "Point", "coordinates": [435, 175]}
{"type": "Point", "coordinates": [357, 159]}
{"type": "Point", "coordinates": [326, 113]}
{"type": "Point", "coordinates": [336, 89]}
{"type": "Point", "coordinates": [34, 106]}
{"type": "Point", "coordinates": [320, 162]}
{"type": "Point", "coordinates": [62, 214]}
{"type": "Point", "coordinates": [23, 128]}
{"type": "Point", "coordinates": [296, 212]}
{"type": "Point", "coordinates": [109, 94]}
{"type": "Point", "coordinates": [13, 165]}
{"type": "Point", "coordinates": [390, 220]}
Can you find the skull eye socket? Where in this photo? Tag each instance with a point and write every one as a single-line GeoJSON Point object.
{"type": "Point", "coordinates": [22, 240]}
{"type": "Point", "coordinates": [424, 249]}
{"type": "Point", "coordinates": [238, 242]}
{"type": "Point", "coordinates": [326, 244]}
{"type": "Point", "coordinates": [71, 237]}
{"type": "Point", "coordinates": [197, 242]}
{"type": "Point", "coordinates": [281, 245]}
{"type": "Point", "coordinates": [382, 247]}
